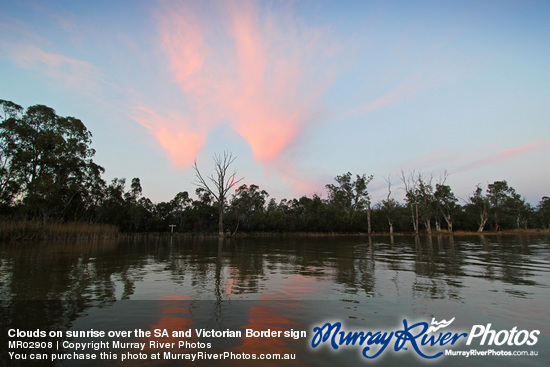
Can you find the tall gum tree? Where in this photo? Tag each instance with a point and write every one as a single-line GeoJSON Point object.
{"type": "Point", "coordinates": [8, 183]}
{"type": "Point", "coordinates": [50, 159]}
{"type": "Point", "coordinates": [499, 195]}
{"type": "Point", "coordinates": [351, 196]}
{"type": "Point", "coordinates": [410, 185]}
{"type": "Point", "coordinates": [389, 206]}
{"type": "Point", "coordinates": [481, 203]}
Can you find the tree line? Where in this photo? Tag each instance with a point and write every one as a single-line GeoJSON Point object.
{"type": "Point", "coordinates": [47, 173]}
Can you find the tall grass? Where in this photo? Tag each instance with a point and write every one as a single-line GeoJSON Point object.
{"type": "Point", "coordinates": [18, 230]}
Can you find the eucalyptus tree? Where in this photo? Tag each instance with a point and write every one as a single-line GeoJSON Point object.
{"type": "Point", "coordinates": [50, 159]}
{"type": "Point", "coordinates": [543, 212]}
{"type": "Point", "coordinates": [113, 206]}
{"type": "Point", "coordinates": [350, 196]}
{"type": "Point", "coordinates": [389, 206]}
{"type": "Point", "coordinates": [136, 211]}
{"type": "Point", "coordinates": [425, 201]}
{"type": "Point", "coordinates": [410, 185]}
{"type": "Point", "coordinates": [481, 203]}
{"type": "Point", "coordinates": [499, 195]}
{"type": "Point", "coordinates": [181, 203]}
{"type": "Point", "coordinates": [219, 183]}
{"type": "Point", "coordinates": [446, 203]}
{"type": "Point", "coordinates": [248, 206]}
{"type": "Point", "coordinates": [8, 180]}
{"type": "Point", "coordinates": [519, 208]}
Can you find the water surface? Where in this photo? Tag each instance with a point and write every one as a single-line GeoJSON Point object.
{"type": "Point", "coordinates": [280, 284]}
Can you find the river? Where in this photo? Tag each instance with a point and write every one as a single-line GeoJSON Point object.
{"type": "Point", "coordinates": [229, 301]}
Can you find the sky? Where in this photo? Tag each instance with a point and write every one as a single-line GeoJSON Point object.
{"type": "Point", "coordinates": [298, 91]}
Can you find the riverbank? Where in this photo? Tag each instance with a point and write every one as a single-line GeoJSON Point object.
{"type": "Point", "coordinates": [14, 230]}
{"type": "Point", "coordinates": [345, 234]}
{"type": "Point", "coordinates": [387, 234]}
{"type": "Point", "coordinates": [23, 230]}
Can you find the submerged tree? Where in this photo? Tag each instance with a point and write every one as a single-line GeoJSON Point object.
{"type": "Point", "coordinates": [411, 197]}
{"type": "Point", "coordinates": [389, 206]}
{"type": "Point", "coordinates": [220, 183]}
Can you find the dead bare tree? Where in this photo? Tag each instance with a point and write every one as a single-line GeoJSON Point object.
{"type": "Point", "coordinates": [389, 205]}
{"type": "Point", "coordinates": [221, 182]}
{"type": "Point", "coordinates": [411, 196]}
{"type": "Point", "coordinates": [425, 202]}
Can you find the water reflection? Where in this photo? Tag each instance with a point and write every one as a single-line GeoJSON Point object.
{"type": "Point", "coordinates": [194, 280]}
{"type": "Point", "coordinates": [108, 271]}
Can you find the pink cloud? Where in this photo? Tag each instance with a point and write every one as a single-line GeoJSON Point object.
{"type": "Point", "coordinates": [300, 181]}
{"type": "Point", "coordinates": [175, 134]}
{"type": "Point", "coordinates": [504, 155]}
{"type": "Point", "coordinates": [263, 71]}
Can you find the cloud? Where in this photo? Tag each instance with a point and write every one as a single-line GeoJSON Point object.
{"type": "Point", "coordinates": [73, 73]}
{"type": "Point", "coordinates": [262, 70]}
{"type": "Point", "coordinates": [504, 155]}
{"type": "Point", "coordinates": [407, 88]}
{"type": "Point", "coordinates": [176, 134]}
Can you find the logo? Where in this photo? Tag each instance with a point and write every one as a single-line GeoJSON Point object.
{"type": "Point", "coordinates": [428, 341]}
{"type": "Point", "coordinates": [439, 325]}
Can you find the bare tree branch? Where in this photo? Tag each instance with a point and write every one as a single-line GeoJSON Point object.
{"type": "Point", "coordinates": [221, 180]}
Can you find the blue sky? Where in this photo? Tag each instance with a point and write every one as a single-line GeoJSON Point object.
{"type": "Point", "coordinates": [299, 91]}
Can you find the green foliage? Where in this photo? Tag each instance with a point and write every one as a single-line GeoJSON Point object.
{"type": "Point", "coordinates": [248, 207]}
{"type": "Point", "coordinates": [543, 211]}
{"type": "Point", "coordinates": [47, 163]}
{"type": "Point", "coordinates": [348, 199]}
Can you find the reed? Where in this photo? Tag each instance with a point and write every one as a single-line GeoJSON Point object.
{"type": "Point", "coordinates": [23, 230]}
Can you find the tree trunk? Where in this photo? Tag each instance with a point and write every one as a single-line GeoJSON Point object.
{"type": "Point", "coordinates": [414, 217]}
{"type": "Point", "coordinates": [449, 222]}
{"type": "Point", "coordinates": [428, 226]}
{"type": "Point", "coordinates": [482, 220]}
{"type": "Point", "coordinates": [416, 229]}
{"type": "Point", "coordinates": [220, 221]}
{"type": "Point", "coordinates": [369, 231]}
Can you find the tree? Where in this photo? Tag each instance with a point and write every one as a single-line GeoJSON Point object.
{"type": "Point", "coordinates": [543, 212]}
{"type": "Point", "coordinates": [181, 202]}
{"type": "Point", "coordinates": [8, 183]}
{"type": "Point", "coordinates": [425, 201]}
{"type": "Point", "coordinates": [50, 159]}
{"type": "Point", "coordinates": [220, 184]}
{"type": "Point", "coordinates": [519, 208]}
{"type": "Point", "coordinates": [499, 195]}
{"type": "Point", "coordinates": [411, 196]}
{"type": "Point", "coordinates": [446, 202]}
{"type": "Point", "coordinates": [248, 205]}
{"type": "Point", "coordinates": [481, 203]}
{"type": "Point", "coordinates": [389, 206]}
{"type": "Point", "coordinates": [350, 196]}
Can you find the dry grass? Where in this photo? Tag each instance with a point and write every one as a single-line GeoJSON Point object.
{"type": "Point", "coordinates": [19, 230]}
{"type": "Point", "coordinates": [505, 232]}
